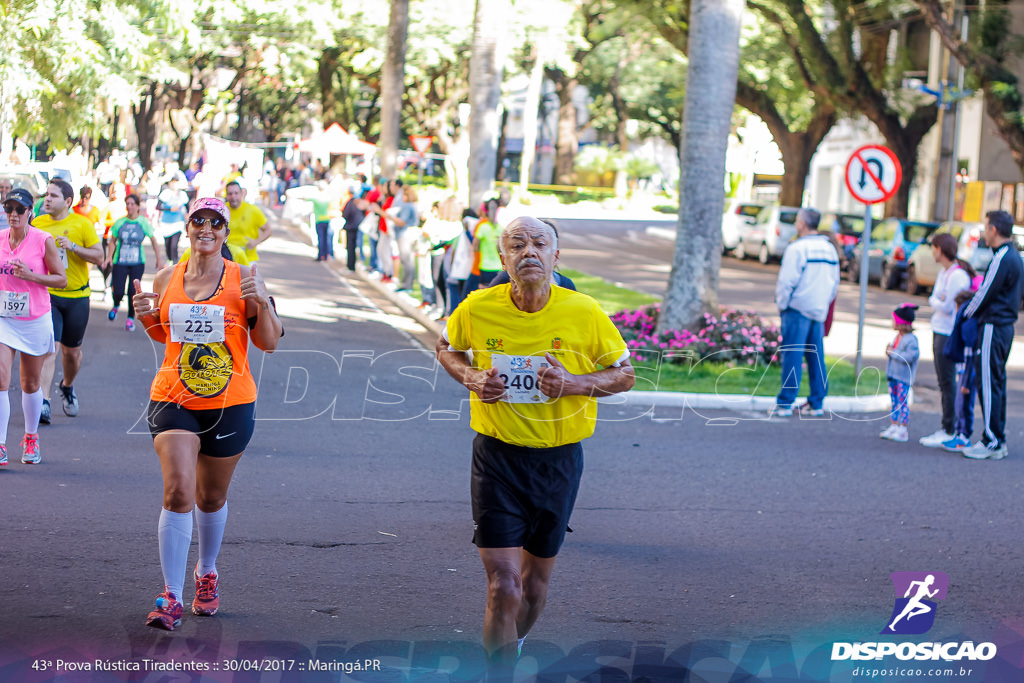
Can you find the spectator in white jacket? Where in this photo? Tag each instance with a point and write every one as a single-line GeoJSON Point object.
{"type": "Point", "coordinates": [808, 282]}
{"type": "Point", "coordinates": [956, 276]}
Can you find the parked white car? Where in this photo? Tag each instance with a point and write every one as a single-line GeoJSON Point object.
{"type": "Point", "coordinates": [922, 270]}
{"type": "Point", "coordinates": [26, 178]}
{"type": "Point", "coordinates": [738, 217]}
{"type": "Point", "coordinates": [773, 230]}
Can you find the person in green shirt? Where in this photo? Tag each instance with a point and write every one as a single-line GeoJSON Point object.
{"type": "Point", "coordinates": [322, 216]}
{"type": "Point", "coordinates": [126, 256]}
{"type": "Point", "coordinates": [487, 262]}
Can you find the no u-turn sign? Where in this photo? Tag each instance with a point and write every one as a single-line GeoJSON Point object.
{"type": "Point", "coordinates": [873, 174]}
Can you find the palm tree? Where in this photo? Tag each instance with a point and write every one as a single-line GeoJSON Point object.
{"type": "Point", "coordinates": [485, 74]}
{"type": "Point", "coordinates": [710, 93]}
{"type": "Point", "coordinates": [391, 86]}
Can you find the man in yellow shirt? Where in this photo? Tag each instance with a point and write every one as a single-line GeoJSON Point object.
{"type": "Point", "coordinates": [249, 227]}
{"type": "Point", "coordinates": [540, 357]}
{"type": "Point", "coordinates": [78, 246]}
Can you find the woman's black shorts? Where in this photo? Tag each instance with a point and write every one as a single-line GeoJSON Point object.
{"type": "Point", "coordinates": [222, 432]}
{"type": "Point", "coordinates": [523, 497]}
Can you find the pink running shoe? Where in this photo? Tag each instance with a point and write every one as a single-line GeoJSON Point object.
{"type": "Point", "coordinates": [167, 614]}
{"type": "Point", "coordinates": [206, 602]}
{"type": "Point", "coordinates": [30, 449]}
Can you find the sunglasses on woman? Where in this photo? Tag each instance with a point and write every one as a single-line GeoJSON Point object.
{"type": "Point", "coordinates": [216, 223]}
{"type": "Point", "coordinates": [15, 208]}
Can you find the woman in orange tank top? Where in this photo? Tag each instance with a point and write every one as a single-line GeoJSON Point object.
{"type": "Point", "coordinates": [201, 412]}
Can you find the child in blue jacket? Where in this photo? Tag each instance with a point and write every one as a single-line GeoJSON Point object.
{"type": "Point", "coordinates": [960, 349]}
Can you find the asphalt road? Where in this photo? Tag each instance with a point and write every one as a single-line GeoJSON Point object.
{"type": "Point", "coordinates": [719, 546]}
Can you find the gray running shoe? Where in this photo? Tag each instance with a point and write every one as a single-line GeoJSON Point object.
{"type": "Point", "coordinates": [68, 400]}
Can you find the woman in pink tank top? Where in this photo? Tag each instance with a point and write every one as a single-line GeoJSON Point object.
{"type": "Point", "coordinates": [29, 263]}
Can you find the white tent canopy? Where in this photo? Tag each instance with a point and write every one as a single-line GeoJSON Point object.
{"type": "Point", "coordinates": [337, 140]}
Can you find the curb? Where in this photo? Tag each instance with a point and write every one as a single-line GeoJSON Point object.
{"type": "Point", "coordinates": [741, 402]}
{"type": "Point", "coordinates": [668, 399]}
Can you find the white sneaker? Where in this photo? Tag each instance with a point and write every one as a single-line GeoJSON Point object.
{"type": "Point", "coordinates": [887, 432]}
{"type": "Point", "coordinates": [980, 451]}
{"type": "Point", "coordinates": [782, 411]}
{"type": "Point", "coordinates": [936, 439]}
{"type": "Point", "coordinates": [899, 434]}
{"type": "Point", "coordinates": [805, 410]}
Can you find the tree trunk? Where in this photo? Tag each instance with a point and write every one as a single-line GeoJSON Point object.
{"type": "Point", "coordinates": [707, 116]}
{"type": "Point", "coordinates": [797, 147]}
{"type": "Point", "coordinates": [566, 146]}
{"type": "Point", "coordinates": [327, 66]}
{"type": "Point", "coordinates": [530, 109]}
{"type": "Point", "coordinates": [500, 171]}
{"type": "Point", "coordinates": [144, 115]}
{"type": "Point", "coordinates": [392, 87]}
{"type": "Point", "coordinates": [485, 75]}
{"type": "Point", "coordinates": [621, 118]}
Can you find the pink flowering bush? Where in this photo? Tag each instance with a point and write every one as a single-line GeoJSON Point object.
{"type": "Point", "coordinates": [735, 337]}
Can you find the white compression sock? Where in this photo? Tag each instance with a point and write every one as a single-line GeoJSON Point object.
{"type": "Point", "coordinates": [5, 415]}
{"type": "Point", "coordinates": [211, 534]}
{"type": "Point", "coordinates": [174, 533]}
{"type": "Point", "coordinates": [32, 406]}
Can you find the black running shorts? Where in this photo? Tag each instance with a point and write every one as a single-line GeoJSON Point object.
{"type": "Point", "coordinates": [222, 432]}
{"type": "Point", "coordinates": [70, 316]}
{"type": "Point", "coordinates": [523, 497]}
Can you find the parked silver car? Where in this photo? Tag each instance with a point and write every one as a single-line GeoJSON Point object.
{"type": "Point", "coordinates": [739, 215]}
{"type": "Point", "coordinates": [773, 230]}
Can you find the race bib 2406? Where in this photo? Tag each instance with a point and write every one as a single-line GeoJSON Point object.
{"type": "Point", "coordinates": [519, 373]}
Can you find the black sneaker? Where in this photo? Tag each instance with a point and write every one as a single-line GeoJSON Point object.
{"type": "Point", "coordinates": [44, 417]}
{"type": "Point", "coordinates": [68, 400]}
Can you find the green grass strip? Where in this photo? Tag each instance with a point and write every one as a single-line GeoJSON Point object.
{"type": "Point", "coordinates": [612, 297]}
{"type": "Point", "coordinates": [721, 378]}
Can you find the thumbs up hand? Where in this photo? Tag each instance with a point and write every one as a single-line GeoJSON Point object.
{"type": "Point", "coordinates": [555, 381]}
{"type": "Point", "coordinates": [143, 302]}
{"type": "Point", "coordinates": [254, 289]}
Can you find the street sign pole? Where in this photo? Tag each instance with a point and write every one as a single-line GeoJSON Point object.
{"type": "Point", "coordinates": [873, 174]}
{"type": "Point", "coordinates": [421, 143]}
{"type": "Point", "coordinates": [865, 264]}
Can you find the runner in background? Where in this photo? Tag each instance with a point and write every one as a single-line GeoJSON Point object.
{"type": "Point", "coordinates": [78, 246]}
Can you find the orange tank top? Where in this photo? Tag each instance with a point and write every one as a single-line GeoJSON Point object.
{"type": "Point", "coordinates": [200, 370]}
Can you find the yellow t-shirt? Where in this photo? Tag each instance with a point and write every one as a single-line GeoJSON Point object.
{"type": "Point", "coordinates": [571, 327]}
{"type": "Point", "coordinates": [245, 225]}
{"type": "Point", "coordinates": [79, 230]}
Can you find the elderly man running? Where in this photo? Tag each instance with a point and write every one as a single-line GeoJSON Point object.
{"type": "Point", "coordinates": [540, 357]}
